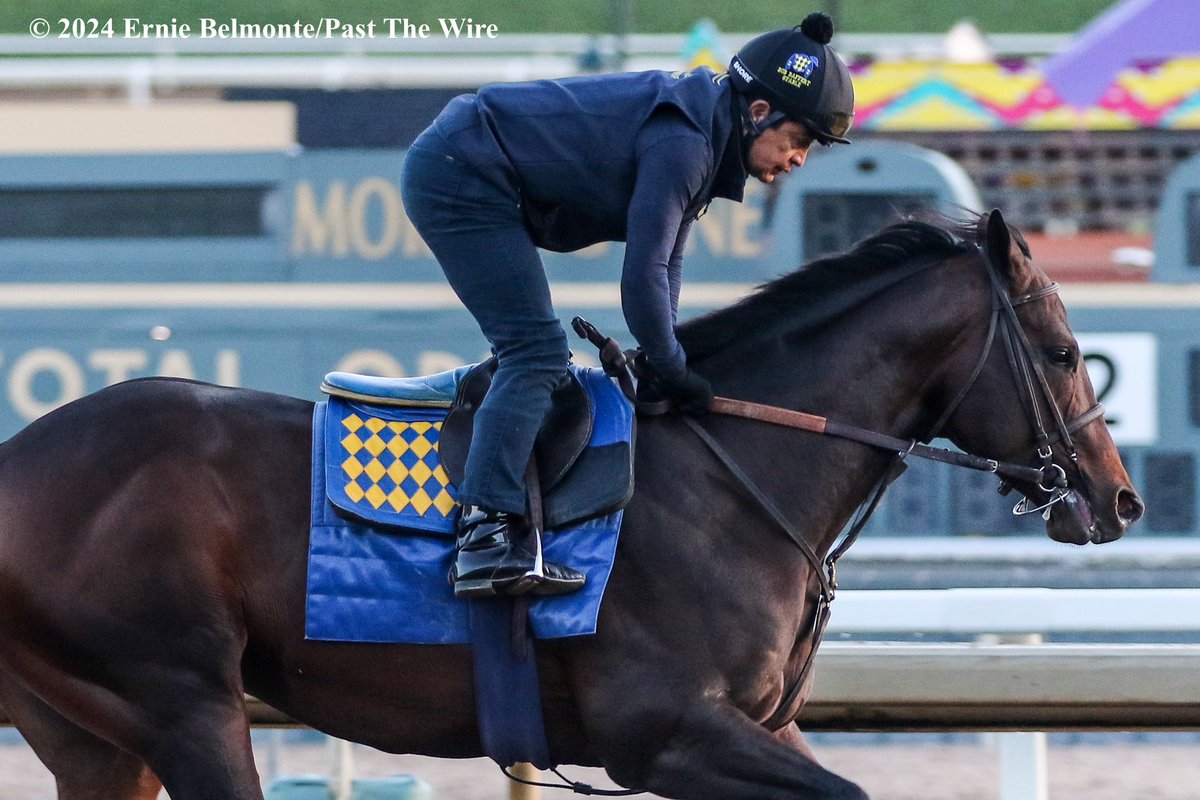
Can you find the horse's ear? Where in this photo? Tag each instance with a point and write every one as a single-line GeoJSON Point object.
{"type": "Point", "coordinates": [998, 242]}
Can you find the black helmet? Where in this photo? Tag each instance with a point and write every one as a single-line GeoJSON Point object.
{"type": "Point", "coordinates": [799, 74]}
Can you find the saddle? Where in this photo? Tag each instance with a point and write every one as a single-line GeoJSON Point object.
{"type": "Point", "coordinates": [564, 434]}
{"type": "Point", "coordinates": [386, 456]}
{"type": "Point", "coordinates": [579, 476]}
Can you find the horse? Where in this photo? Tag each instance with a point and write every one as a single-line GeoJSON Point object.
{"type": "Point", "coordinates": [153, 543]}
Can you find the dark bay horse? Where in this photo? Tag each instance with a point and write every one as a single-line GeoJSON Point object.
{"type": "Point", "coordinates": [153, 546]}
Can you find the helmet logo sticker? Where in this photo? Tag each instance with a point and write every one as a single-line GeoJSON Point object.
{"type": "Point", "coordinates": [799, 69]}
{"type": "Point", "coordinates": [741, 70]}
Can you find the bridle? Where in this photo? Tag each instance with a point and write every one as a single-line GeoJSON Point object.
{"type": "Point", "coordinates": [1033, 391]}
{"type": "Point", "coordinates": [1032, 388]}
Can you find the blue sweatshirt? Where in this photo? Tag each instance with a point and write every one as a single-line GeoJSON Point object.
{"type": "Point", "coordinates": [631, 157]}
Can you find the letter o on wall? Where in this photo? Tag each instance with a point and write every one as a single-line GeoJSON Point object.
{"type": "Point", "coordinates": [72, 384]}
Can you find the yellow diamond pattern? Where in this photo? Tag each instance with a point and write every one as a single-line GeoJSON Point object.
{"type": "Point", "coordinates": [397, 499]}
{"type": "Point", "coordinates": [376, 472]}
{"type": "Point", "coordinates": [444, 502]}
{"type": "Point", "coordinates": [421, 447]}
{"type": "Point", "coordinates": [352, 467]}
{"type": "Point", "coordinates": [397, 471]}
{"type": "Point", "coordinates": [375, 496]}
{"type": "Point", "coordinates": [421, 501]}
{"type": "Point", "coordinates": [420, 472]}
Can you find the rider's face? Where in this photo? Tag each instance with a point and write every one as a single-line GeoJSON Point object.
{"type": "Point", "coordinates": [779, 149]}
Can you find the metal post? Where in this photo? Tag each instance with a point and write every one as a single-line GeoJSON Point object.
{"type": "Point", "coordinates": [1023, 766]}
{"type": "Point", "coordinates": [1023, 774]}
{"type": "Point", "coordinates": [342, 780]}
{"type": "Point", "coordinates": [519, 791]}
{"type": "Point", "coordinates": [274, 753]}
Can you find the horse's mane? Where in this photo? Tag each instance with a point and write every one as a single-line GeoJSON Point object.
{"type": "Point", "coordinates": [821, 291]}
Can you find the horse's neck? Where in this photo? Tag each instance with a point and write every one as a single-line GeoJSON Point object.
{"type": "Point", "coordinates": [866, 376]}
{"type": "Point", "coordinates": [874, 370]}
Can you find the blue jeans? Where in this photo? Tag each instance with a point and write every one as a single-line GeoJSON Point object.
{"type": "Point", "coordinates": [476, 231]}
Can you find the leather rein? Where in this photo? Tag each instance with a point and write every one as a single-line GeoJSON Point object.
{"type": "Point", "coordinates": [1033, 391]}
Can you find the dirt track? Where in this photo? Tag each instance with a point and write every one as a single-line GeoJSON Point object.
{"type": "Point", "coordinates": [889, 772]}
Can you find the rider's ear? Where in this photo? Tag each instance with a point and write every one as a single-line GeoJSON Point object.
{"type": "Point", "coordinates": [998, 242]}
{"type": "Point", "coordinates": [759, 110]}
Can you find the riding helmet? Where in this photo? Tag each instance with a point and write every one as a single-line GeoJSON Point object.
{"type": "Point", "coordinates": [800, 75]}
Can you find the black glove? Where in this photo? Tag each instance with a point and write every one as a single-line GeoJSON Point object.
{"type": "Point", "coordinates": [691, 394]}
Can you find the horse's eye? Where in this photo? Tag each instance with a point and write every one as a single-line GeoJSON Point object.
{"type": "Point", "coordinates": [1062, 356]}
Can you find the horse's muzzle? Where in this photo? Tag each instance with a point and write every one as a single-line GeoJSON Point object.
{"type": "Point", "coordinates": [1074, 520]}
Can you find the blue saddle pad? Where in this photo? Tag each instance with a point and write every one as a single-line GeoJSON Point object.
{"type": "Point", "coordinates": [383, 521]}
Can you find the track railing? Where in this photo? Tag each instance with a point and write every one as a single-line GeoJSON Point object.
{"type": "Point", "coordinates": [1008, 678]}
{"type": "Point", "coordinates": [1005, 678]}
{"type": "Point", "coordinates": [138, 66]}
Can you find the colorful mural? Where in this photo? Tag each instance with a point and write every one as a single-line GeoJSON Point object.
{"type": "Point", "coordinates": [1010, 93]}
{"type": "Point", "coordinates": [911, 95]}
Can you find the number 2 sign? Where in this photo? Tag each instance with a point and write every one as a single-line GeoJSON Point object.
{"type": "Point", "coordinates": [1124, 372]}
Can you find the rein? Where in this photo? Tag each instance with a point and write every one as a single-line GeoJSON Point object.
{"type": "Point", "coordinates": [1020, 366]}
{"type": "Point", "coordinates": [823, 425]}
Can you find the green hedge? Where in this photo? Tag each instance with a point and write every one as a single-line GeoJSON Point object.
{"type": "Point", "coordinates": [588, 16]}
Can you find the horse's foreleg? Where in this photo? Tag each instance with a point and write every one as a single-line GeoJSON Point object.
{"type": "Point", "coordinates": [202, 750]}
{"type": "Point", "coordinates": [716, 751]}
{"type": "Point", "coordinates": [85, 767]}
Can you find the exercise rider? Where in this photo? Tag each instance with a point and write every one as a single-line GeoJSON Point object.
{"type": "Point", "coordinates": [633, 157]}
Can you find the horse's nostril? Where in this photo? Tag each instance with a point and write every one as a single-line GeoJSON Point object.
{"type": "Point", "coordinates": [1129, 506]}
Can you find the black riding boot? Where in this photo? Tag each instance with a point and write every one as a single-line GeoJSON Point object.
{"type": "Point", "coordinates": [497, 554]}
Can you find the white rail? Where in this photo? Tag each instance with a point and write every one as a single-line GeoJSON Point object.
{"type": "Point", "coordinates": [136, 67]}
{"type": "Point", "coordinates": [1023, 689]}
{"type": "Point", "coordinates": [1030, 687]}
{"type": "Point", "coordinates": [505, 44]}
{"type": "Point", "coordinates": [974, 686]}
{"type": "Point", "coordinates": [1031, 610]}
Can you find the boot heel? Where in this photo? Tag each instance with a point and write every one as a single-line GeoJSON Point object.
{"type": "Point", "coordinates": [494, 558]}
